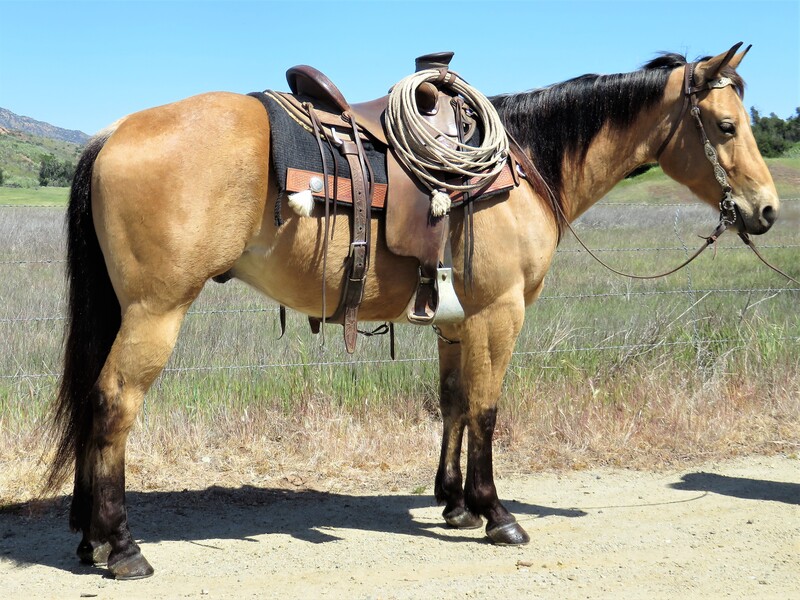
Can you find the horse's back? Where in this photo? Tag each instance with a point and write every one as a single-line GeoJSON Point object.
{"type": "Point", "coordinates": [177, 191]}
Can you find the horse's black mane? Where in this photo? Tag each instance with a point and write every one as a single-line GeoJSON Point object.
{"type": "Point", "coordinates": [563, 119]}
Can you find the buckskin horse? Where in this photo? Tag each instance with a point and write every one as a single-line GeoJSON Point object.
{"type": "Point", "coordinates": [167, 198]}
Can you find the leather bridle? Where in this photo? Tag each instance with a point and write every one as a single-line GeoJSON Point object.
{"type": "Point", "coordinates": [727, 207]}
{"type": "Point", "coordinates": [728, 211]}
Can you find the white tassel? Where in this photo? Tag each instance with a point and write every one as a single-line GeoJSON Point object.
{"type": "Point", "coordinates": [302, 202]}
{"type": "Point", "coordinates": [440, 203]}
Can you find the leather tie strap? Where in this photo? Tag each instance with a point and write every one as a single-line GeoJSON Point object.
{"type": "Point", "coordinates": [688, 73]}
{"type": "Point", "coordinates": [317, 126]}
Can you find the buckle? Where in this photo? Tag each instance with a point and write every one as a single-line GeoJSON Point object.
{"type": "Point", "coordinates": [353, 246]}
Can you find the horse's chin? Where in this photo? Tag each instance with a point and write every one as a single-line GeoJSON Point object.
{"type": "Point", "coordinates": [753, 228]}
{"type": "Point", "coordinates": [754, 222]}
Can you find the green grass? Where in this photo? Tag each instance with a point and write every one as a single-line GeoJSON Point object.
{"type": "Point", "coordinates": [37, 196]}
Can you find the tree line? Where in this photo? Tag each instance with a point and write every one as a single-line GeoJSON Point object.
{"type": "Point", "coordinates": [54, 172]}
{"type": "Point", "coordinates": [775, 136]}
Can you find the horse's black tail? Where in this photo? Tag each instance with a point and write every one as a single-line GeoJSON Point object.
{"type": "Point", "coordinates": [93, 320]}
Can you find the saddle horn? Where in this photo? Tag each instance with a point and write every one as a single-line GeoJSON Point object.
{"type": "Point", "coordinates": [427, 94]}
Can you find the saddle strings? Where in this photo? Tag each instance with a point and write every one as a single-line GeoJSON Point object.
{"type": "Point", "coordinates": [317, 126]}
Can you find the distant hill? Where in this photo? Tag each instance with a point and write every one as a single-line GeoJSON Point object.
{"type": "Point", "coordinates": [14, 122]}
{"type": "Point", "coordinates": [21, 156]}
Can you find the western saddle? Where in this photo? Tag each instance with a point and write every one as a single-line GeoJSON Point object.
{"type": "Point", "coordinates": [411, 228]}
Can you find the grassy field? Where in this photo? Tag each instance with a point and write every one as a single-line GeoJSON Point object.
{"type": "Point", "coordinates": [36, 196]}
{"type": "Point", "coordinates": [607, 370]}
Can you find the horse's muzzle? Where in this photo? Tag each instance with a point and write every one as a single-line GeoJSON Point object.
{"type": "Point", "coordinates": [760, 219]}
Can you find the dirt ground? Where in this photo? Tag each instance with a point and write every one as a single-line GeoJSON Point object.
{"type": "Point", "coordinates": [727, 529]}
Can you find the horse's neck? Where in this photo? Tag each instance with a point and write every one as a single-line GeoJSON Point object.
{"type": "Point", "coordinates": [614, 153]}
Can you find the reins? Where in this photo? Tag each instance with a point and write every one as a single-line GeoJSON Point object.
{"type": "Point", "coordinates": [722, 226]}
{"type": "Point", "coordinates": [727, 207]}
{"type": "Point", "coordinates": [746, 239]}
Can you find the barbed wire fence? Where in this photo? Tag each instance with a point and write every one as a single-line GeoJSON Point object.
{"type": "Point", "coordinates": [690, 290]}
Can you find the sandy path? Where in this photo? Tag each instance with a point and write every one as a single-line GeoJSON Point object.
{"type": "Point", "coordinates": [729, 529]}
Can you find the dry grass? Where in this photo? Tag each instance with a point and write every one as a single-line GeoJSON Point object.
{"type": "Point", "coordinates": [674, 374]}
{"type": "Point", "coordinates": [641, 419]}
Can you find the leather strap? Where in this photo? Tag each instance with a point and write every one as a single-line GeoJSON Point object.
{"type": "Point", "coordinates": [359, 257]}
{"type": "Point", "coordinates": [749, 242]}
{"type": "Point", "coordinates": [317, 126]}
{"type": "Point", "coordinates": [688, 72]}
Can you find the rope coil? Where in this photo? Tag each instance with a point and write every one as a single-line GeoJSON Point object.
{"type": "Point", "coordinates": [420, 147]}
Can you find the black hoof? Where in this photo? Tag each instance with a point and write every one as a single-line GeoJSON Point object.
{"type": "Point", "coordinates": [92, 553]}
{"type": "Point", "coordinates": [510, 534]}
{"type": "Point", "coordinates": [461, 518]}
{"type": "Point", "coordinates": [131, 567]}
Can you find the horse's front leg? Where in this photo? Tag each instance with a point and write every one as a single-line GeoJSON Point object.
{"type": "Point", "coordinates": [487, 343]}
{"type": "Point", "coordinates": [449, 483]}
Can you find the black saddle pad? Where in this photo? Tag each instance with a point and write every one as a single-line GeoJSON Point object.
{"type": "Point", "coordinates": [293, 146]}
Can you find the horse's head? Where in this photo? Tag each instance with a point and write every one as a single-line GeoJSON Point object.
{"type": "Point", "coordinates": [714, 127]}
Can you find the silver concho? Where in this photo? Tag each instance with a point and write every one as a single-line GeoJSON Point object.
{"type": "Point", "coordinates": [315, 184]}
{"type": "Point", "coordinates": [720, 83]}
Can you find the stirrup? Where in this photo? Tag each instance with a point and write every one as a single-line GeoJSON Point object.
{"type": "Point", "coordinates": [445, 308]}
{"type": "Point", "coordinates": [449, 309]}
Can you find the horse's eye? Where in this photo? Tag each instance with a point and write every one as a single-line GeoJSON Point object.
{"type": "Point", "coordinates": [727, 128]}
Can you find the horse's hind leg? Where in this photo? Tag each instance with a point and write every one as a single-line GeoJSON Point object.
{"type": "Point", "coordinates": [140, 351]}
{"type": "Point", "coordinates": [453, 403]}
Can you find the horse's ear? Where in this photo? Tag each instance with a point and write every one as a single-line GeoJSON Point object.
{"type": "Point", "coordinates": [710, 69]}
{"type": "Point", "coordinates": [736, 60]}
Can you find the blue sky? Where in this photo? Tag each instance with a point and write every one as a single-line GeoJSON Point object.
{"type": "Point", "coordinates": [82, 65]}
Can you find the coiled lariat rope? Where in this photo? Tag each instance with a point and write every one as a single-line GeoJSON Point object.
{"type": "Point", "coordinates": [431, 159]}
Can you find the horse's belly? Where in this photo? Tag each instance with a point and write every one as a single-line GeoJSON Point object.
{"type": "Point", "coordinates": [296, 281]}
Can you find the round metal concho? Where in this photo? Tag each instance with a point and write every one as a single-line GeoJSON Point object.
{"type": "Point", "coordinates": [315, 184]}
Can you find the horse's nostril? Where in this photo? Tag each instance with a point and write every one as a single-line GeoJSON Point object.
{"type": "Point", "coordinates": [769, 214]}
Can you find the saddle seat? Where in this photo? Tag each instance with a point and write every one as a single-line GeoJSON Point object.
{"type": "Point", "coordinates": [305, 80]}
